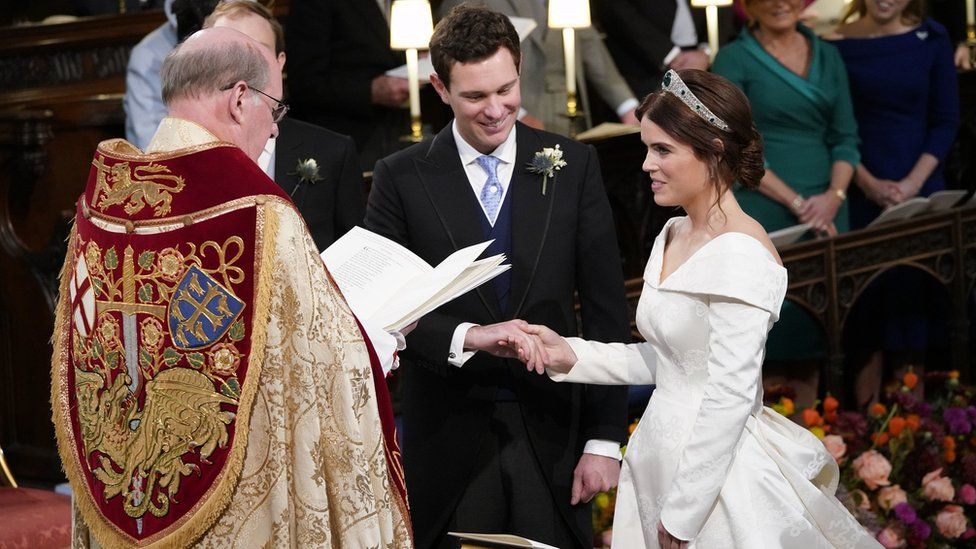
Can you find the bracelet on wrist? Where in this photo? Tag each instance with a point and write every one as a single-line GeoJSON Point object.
{"type": "Point", "coordinates": [841, 194]}
{"type": "Point", "coordinates": [797, 203]}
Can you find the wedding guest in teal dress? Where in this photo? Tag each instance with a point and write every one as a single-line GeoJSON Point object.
{"type": "Point", "coordinates": [798, 89]}
{"type": "Point", "coordinates": [906, 101]}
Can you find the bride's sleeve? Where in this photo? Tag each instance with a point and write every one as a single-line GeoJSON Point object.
{"type": "Point", "coordinates": [737, 335]}
{"type": "Point", "coordinates": [610, 363]}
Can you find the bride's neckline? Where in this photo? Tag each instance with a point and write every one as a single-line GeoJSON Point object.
{"type": "Point", "coordinates": [659, 268]}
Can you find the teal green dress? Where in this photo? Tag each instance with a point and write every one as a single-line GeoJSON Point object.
{"type": "Point", "coordinates": [807, 124]}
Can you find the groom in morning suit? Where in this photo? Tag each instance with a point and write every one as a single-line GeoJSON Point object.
{"type": "Point", "coordinates": [489, 447]}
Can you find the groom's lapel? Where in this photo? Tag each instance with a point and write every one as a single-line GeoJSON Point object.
{"type": "Point", "coordinates": [530, 215]}
{"type": "Point", "coordinates": [446, 183]}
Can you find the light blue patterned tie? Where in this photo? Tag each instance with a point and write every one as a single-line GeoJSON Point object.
{"type": "Point", "coordinates": [491, 193]}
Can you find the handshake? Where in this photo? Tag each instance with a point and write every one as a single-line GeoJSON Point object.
{"type": "Point", "coordinates": [537, 346]}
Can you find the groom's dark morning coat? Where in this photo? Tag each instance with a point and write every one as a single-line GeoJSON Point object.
{"type": "Point", "coordinates": [562, 242]}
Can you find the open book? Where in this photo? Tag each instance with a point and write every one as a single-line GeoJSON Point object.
{"type": "Point", "coordinates": [497, 540]}
{"type": "Point", "coordinates": [607, 130]}
{"type": "Point", "coordinates": [789, 235]}
{"type": "Point", "coordinates": [936, 202]}
{"type": "Point", "coordinates": [389, 286]}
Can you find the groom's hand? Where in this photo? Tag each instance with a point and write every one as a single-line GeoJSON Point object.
{"type": "Point", "coordinates": [593, 474]}
{"type": "Point", "coordinates": [506, 340]}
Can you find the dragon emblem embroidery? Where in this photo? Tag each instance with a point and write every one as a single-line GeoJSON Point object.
{"type": "Point", "coordinates": [149, 185]}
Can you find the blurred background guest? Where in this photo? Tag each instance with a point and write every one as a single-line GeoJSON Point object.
{"type": "Point", "coordinates": [648, 37]}
{"type": "Point", "coordinates": [543, 71]}
{"type": "Point", "coordinates": [340, 52]}
{"type": "Point", "coordinates": [143, 100]}
{"type": "Point", "coordinates": [798, 89]}
{"type": "Point", "coordinates": [906, 102]}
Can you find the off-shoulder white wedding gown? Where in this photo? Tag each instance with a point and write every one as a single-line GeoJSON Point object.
{"type": "Point", "coordinates": [707, 458]}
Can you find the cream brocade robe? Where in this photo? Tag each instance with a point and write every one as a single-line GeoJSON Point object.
{"type": "Point", "coordinates": [315, 471]}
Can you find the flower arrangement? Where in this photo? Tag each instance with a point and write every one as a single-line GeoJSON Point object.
{"type": "Point", "coordinates": [546, 163]}
{"type": "Point", "coordinates": [908, 466]}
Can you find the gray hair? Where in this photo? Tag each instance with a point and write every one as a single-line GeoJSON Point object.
{"type": "Point", "coordinates": [206, 70]}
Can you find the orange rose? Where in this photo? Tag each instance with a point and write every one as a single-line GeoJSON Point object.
{"type": "Point", "coordinates": [896, 425]}
{"type": "Point", "coordinates": [811, 417]}
{"type": "Point", "coordinates": [877, 409]}
{"type": "Point", "coordinates": [910, 379]}
{"type": "Point", "coordinates": [913, 422]}
{"type": "Point", "coordinates": [830, 404]}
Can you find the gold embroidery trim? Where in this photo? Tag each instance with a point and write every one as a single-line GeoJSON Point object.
{"type": "Point", "coordinates": [120, 149]}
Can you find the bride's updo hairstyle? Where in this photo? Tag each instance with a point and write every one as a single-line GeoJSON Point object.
{"type": "Point", "coordinates": [740, 157]}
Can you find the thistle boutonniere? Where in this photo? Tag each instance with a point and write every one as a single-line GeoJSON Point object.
{"type": "Point", "coordinates": [307, 171]}
{"type": "Point", "coordinates": [547, 162]}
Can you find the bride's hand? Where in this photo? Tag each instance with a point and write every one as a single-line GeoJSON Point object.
{"type": "Point", "coordinates": [666, 541]}
{"type": "Point", "coordinates": [556, 356]}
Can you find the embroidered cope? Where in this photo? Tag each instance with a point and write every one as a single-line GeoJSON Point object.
{"type": "Point", "coordinates": [210, 385]}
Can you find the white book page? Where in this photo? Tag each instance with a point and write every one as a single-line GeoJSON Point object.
{"type": "Point", "coordinates": [408, 297]}
{"type": "Point", "coordinates": [473, 276]}
{"type": "Point", "coordinates": [371, 269]}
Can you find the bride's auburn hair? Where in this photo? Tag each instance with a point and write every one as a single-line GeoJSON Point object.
{"type": "Point", "coordinates": [740, 157]}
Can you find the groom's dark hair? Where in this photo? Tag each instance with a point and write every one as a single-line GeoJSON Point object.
{"type": "Point", "coordinates": [471, 33]}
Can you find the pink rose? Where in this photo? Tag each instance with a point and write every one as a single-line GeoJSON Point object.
{"type": "Point", "coordinates": [936, 487]}
{"type": "Point", "coordinates": [873, 469]}
{"type": "Point", "coordinates": [967, 494]}
{"type": "Point", "coordinates": [890, 496]}
{"type": "Point", "coordinates": [891, 538]}
{"type": "Point", "coordinates": [836, 446]}
{"type": "Point", "coordinates": [951, 521]}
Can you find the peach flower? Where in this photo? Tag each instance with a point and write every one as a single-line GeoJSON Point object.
{"type": "Point", "coordinates": [951, 521]}
{"type": "Point", "coordinates": [890, 496]}
{"type": "Point", "coordinates": [891, 538]}
{"type": "Point", "coordinates": [873, 469]}
{"type": "Point", "coordinates": [836, 446]}
{"type": "Point", "coordinates": [936, 487]}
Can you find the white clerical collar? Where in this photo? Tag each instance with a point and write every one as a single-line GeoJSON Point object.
{"type": "Point", "coordinates": [264, 161]}
{"type": "Point", "coordinates": [176, 133]}
{"type": "Point", "coordinates": [504, 152]}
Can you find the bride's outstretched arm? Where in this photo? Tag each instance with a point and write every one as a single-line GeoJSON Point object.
{"type": "Point", "coordinates": [580, 361]}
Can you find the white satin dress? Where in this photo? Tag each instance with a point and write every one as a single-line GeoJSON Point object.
{"type": "Point", "coordinates": [707, 458]}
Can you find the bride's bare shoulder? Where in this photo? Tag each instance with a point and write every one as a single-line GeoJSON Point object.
{"type": "Point", "coordinates": [750, 227]}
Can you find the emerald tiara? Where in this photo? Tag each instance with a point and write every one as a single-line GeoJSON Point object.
{"type": "Point", "coordinates": [672, 83]}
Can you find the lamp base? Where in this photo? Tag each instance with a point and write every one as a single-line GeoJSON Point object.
{"type": "Point", "coordinates": [574, 120]}
{"type": "Point", "coordinates": [417, 131]}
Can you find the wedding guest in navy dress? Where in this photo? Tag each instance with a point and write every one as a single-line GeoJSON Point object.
{"type": "Point", "coordinates": [903, 85]}
{"type": "Point", "coordinates": [906, 102]}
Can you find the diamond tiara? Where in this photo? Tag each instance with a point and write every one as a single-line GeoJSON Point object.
{"type": "Point", "coordinates": [673, 84]}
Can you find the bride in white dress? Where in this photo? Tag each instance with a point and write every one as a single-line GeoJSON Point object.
{"type": "Point", "coordinates": [708, 466]}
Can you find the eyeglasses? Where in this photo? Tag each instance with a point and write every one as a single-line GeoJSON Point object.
{"type": "Point", "coordinates": [277, 112]}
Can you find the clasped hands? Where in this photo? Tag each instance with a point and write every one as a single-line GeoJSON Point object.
{"type": "Point", "coordinates": [537, 346]}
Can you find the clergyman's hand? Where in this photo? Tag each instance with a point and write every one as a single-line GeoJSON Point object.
{"type": "Point", "coordinates": [560, 357]}
{"type": "Point", "coordinates": [593, 474]}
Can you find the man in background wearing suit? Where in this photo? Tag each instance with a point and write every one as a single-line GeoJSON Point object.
{"type": "Point", "coordinates": [340, 51]}
{"type": "Point", "coordinates": [316, 167]}
{"type": "Point", "coordinates": [543, 74]}
{"type": "Point", "coordinates": [489, 447]}
{"type": "Point", "coordinates": [648, 37]}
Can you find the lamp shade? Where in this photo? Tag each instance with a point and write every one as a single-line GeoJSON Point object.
{"type": "Point", "coordinates": [706, 3]}
{"type": "Point", "coordinates": [569, 14]}
{"type": "Point", "coordinates": [410, 24]}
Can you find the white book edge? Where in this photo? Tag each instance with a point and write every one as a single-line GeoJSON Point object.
{"type": "Point", "coordinates": [901, 211]}
{"type": "Point", "coordinates": [788, 235]}
{"type": "Point", "coordinates": [507, 539]}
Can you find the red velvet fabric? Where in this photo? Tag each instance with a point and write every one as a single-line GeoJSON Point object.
{"type": "Point", "coordinates": [212, 177]}
{"type": "Point", "coordinates": [34, 519]}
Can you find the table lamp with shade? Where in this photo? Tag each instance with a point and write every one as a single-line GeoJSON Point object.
{"type": "Point", "coordinates": [711, 20]}
{"type": "Point", "coordinates": [569, 15]}
{"type": "Point", "coordinates": [411, 27]}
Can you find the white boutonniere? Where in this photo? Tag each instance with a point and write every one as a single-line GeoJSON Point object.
{"type": "Point", "coordinates": [547, 162]}
{"type": "Point", "coordinates": [308, 171]}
